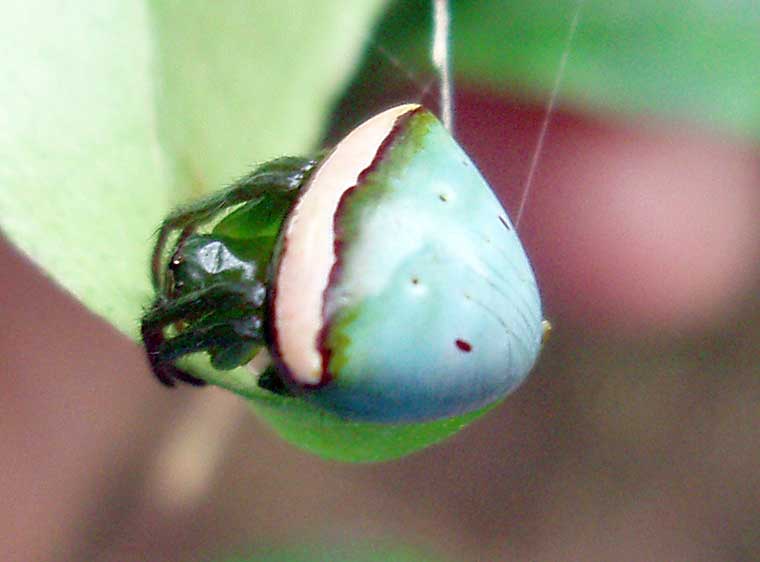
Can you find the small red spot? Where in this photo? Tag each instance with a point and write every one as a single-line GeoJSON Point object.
{"type": "Point", "coordinates": [464, 346]}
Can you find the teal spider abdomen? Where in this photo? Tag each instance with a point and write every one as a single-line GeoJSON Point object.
{"type": "Point", "coordinates": [401, 290]}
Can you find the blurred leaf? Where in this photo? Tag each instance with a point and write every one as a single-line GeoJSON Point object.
{"type": "Point", "coordinates": [115, 111]}
{"type": "Point", "coordinates": [693, 59]}
{"type": "Point", "coordinates": [243, 82]}
{"type": "Point", "coordinates": [83, 178]}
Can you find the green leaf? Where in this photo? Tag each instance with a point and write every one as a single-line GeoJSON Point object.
{"type": "Point", "coordinates": [116, 111]}
{"type": "Point", "coordinates": [242, 82]}
{"type": "Point", "coordinates": [83, 178]}
{"type": "Point", "coordinates": [687, 59]}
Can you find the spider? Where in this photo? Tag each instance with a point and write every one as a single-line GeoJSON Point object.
{"type": "Point", "coordinates": [384, 278]}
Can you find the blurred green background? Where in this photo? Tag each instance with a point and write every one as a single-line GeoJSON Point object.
{"type": "Point", "coordinates": [635, 439]}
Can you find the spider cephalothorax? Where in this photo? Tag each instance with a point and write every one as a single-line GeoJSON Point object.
{"type": "Point", "coordinates": [384, 278]}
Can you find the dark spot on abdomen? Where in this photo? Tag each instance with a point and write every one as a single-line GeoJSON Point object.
{"type": "Point", "coordinates": [464, 345]}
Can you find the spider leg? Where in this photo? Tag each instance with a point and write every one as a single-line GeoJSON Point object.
{"type": "Point", "coordinates": [193, 340]}
{"type": "Point", "coordinates": [153, 338]}
{"type": "Point", "coordinates": [202, 330]}
{"type": "Point", "coordinates": [282, 174]}
{"type": "Point", "coordinates": [196, 304]}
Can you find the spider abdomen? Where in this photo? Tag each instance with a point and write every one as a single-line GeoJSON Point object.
{"type": "Point", "coordinates": [422, 303]}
